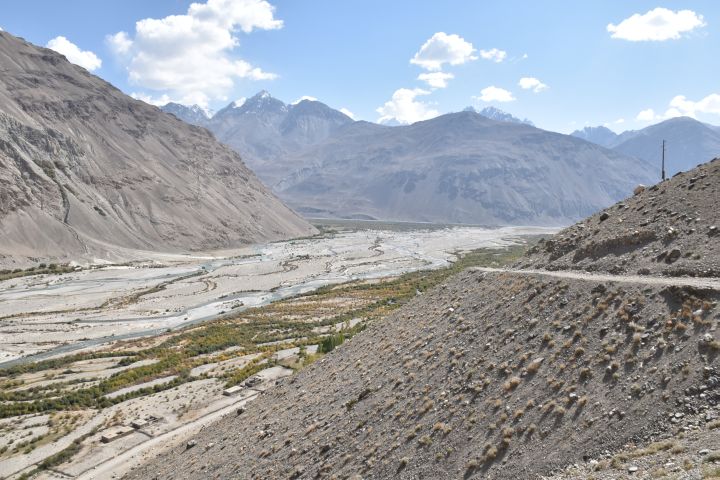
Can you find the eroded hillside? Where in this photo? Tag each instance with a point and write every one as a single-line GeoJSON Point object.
{"type": "Point", "coordinates": [85, 170]}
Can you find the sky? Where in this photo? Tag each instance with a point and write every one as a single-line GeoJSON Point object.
{"type": "Point", "coordinates": [562, 64]}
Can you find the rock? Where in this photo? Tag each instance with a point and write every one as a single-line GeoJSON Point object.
{"type": "Point", "coordinates": [191, 443]}
{"type": "Point", "coordinates": [704, 451]}
{"type": "Point", "coordinates": [713, 230]}
{"type": "Point", "coordinates": [632, 469]}
{"type": "Point", "coordinates": [604, 216]}
{"type": "Point", "coordinates": [673, 255]}
{"type": "Point", "coordinates": [639, 189]}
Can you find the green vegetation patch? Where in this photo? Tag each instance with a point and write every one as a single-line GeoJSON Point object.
{"type": "Point", "coordinates": [308, 319]}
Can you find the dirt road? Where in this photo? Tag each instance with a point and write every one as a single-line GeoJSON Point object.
{"type": "Point", "coordinates": [709, 282]}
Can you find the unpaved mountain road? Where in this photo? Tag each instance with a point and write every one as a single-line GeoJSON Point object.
{"type": "Point", "coordinates": [695, 282]}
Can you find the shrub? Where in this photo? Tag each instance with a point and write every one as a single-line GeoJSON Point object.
{"type": "Point", "coordinates": [491, 454]}
{"type": "Point", "coordinates": [511, 384]}
{"type": "Point", "coordinates": [425, 440]}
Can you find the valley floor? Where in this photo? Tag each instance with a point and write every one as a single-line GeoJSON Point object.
{"type": "Point", "coordinates": [105, 367]}
{"type": "Point", "coordinates": [54, 314]}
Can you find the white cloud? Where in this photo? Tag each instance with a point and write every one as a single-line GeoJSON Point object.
{"type": "Point", "coordinates": [404, 108]}
{"type": "Point", "coordinates": [119, 43]}
{"type": "Point", "coordinates": [531, 83]}
{"type": "Point", "coordinates": [157, 101]}
{"type": "Point", "coordinates": [442, 48]}
{"type": "Point", "coordinates": [680, 106]}
{"type": "Point", "coordinates": [436, 79]}
{"type": "Point", "coordinates": [85, 58]}
{"type": "Point", "coordinates": [619, 121]}
{"type": "Point", "coordinates": [304, 97]}
{"type": "Point", "coordinates": [248, 14]}
{"type": "Point", "coordinates": [647, 115]}
{"type": "Point", "coordinates": [709, 104]}
{"type": "Point", "coordinates": [495, 94]}
{"type": "Point", "coordinates": [190, 56]}
{"type": "Point", "coordinates": [348, 113]}
{"type": "Point", "coordinates": [657, 25]}
{"type": "Point", "coordinates": [493, 54]}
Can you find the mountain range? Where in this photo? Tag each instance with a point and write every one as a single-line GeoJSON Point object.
{"type": "Point", "coordinates": [85, 170]}
{"type": "Point", "coordinates": [494, 113]}
{"type": "Point", "coordinates": [688, 142]}
{"type": "Point", "coordinates": [465, 167]}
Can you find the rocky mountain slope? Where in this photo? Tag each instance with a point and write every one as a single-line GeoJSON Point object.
{"type": "Point", "coordinates": [461, 168]}
{"type": "Point", "coordinates": [671, 228]}
{"type": "Point", "coordinates": [689, 142]}
{"type": "Point", "coordinates": [85, 169]}
{"type": "Point", "coordinates": [602, 136]}
{"type": "Point", "coordinates": [266, 131]}
{"type": "Point", "coordinates": [194, 115]}
{"type": "Point", "coordinates": [498, 375]}
{"type": "Point", "coordinates": [468, 167]}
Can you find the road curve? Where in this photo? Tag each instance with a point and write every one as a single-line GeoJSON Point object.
{"type": "Point", "coordinates": [696, 282]}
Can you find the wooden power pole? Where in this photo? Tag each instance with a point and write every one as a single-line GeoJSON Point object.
{"type": "Point", "coordinates": [663, 161]}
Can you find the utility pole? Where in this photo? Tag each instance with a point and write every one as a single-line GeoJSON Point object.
{"type": "Point", "coordinates": [663, 161]}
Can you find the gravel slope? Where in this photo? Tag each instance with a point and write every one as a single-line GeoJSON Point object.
{"type": "Point", "coordinates": [671, 228]}
{"type": "Point", "coordinates": [493, 375]}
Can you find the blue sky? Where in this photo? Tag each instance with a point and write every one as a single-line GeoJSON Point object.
{"type": "Point", "coordinates": [584, 63]}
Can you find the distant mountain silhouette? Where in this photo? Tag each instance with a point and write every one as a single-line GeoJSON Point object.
{"type": "Point", "coordinates": [600, 135]}
{"type": "Point", "coordinates": [688, 142]}
{"type": "Point", "coordinates": [265, 130]}
{"type": "Point", "coordinates": [461, 167]}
